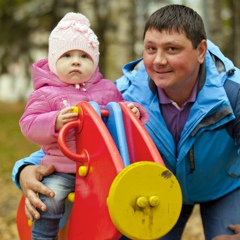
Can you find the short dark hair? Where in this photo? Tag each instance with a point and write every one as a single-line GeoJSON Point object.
{"type": "Point", "coordinates": [175, 17]}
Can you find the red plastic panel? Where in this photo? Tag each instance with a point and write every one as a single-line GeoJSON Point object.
{"type": "Point", "coordinates": [96, 150]}
{"type": "Point", "coordinates": [140, 145]}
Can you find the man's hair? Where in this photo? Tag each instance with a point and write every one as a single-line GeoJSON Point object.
{"type": "Point", "coordinates": [175, 17]}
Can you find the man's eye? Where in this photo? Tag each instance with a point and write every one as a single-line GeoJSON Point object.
{"type": "Point", "coordinates": [151, 49]}
{"type": "Point", "coordinates": [172, 49]}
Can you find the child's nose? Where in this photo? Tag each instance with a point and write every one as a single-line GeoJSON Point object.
{"type": "Point", "coordinates": [76, 61]}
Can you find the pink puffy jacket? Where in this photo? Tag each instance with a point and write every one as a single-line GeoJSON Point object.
{"type": "Point", "coordinates": [50, 95]}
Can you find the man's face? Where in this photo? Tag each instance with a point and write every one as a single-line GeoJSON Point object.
{"type": "Point", "coordinates": [170, 60]}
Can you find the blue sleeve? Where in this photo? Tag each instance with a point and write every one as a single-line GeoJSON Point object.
{"type": "Point", "coordinates": [33, 159]}
{"type": "Point", "coordinates": [122, 84]}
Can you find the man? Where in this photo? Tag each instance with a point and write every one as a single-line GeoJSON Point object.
{"type": "Point", "coordinates": [180, 82]}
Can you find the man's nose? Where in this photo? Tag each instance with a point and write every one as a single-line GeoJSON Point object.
{"type": "Point", "coordinates": [160, 58]}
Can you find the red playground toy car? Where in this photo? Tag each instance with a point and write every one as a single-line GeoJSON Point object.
{"type": "Point", "coordinates": [122, 185]}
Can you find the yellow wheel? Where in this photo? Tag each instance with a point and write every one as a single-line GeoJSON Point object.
{"type": "Point", "coordinates": [144, 201]}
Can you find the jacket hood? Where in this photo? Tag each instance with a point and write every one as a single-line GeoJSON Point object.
{"type": "Point", "coordinates": [42, 76]}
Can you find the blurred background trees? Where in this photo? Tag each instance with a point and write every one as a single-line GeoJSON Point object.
{"type": "Point", "coordinates": [26, 24]}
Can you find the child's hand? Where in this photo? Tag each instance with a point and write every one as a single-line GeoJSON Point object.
{"type": "Point", "coordinates": [64, 116]}
{"type": "Point", "coordinates": [134, 109]}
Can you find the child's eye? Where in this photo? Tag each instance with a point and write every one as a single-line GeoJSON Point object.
{"type": "Point", "coordinates": [85, 56]}
{"type": "Point", "coordinates": [67, 55]}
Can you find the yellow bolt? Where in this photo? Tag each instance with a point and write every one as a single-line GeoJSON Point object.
{"type": "Point", "coordinates": [71, 197]}
{"type": "Point", "coordinates": [82, 171]}
{"type": "Point", "coordinates": [75, 109]}
{"type": "Point", "coordinates": [142, 202]}
{"type": "Point", "coordinates": [30, 223]}
{"type": "Point", "coordinates": [154, 201]}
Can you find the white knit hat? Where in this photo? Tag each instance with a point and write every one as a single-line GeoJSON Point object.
{"type": "Point", "coordinates": [73, 32]}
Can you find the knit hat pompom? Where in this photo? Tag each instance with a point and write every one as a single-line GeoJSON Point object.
{"type": "Point", "coordinates": [77, 17]}
{"type": "Point", "coordinates": [73, 32]}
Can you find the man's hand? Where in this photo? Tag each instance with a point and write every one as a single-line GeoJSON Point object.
{"type": "Point", "coordinates": [30, 182]}
{"type": "Point", "coordinates": [235, 228]}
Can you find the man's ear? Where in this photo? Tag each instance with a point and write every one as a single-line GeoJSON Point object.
{"type": "Point", "coordinates": [202, 49]}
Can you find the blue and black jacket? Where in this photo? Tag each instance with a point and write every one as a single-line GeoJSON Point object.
{"type": "Point", "coordinates": [206, 161]}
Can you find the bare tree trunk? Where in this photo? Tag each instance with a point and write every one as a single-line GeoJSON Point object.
{"type": "Point", "coordinates": [224, 26]}
{"type": "Point", "coordinates": [215, 31]}
{"type": "Point", "coordinates": [119, 37]}
{"type": "Point", "coordinates": [236, 32]}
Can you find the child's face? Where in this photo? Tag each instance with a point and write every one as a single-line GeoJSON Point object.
{"type": "Point", "coordinates": [74, 66]}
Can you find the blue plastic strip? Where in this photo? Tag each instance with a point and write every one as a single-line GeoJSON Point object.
{"type": "Point", "coordinates": [96, 107]}
{"type": "Point", "coordinates": [116, 128]}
